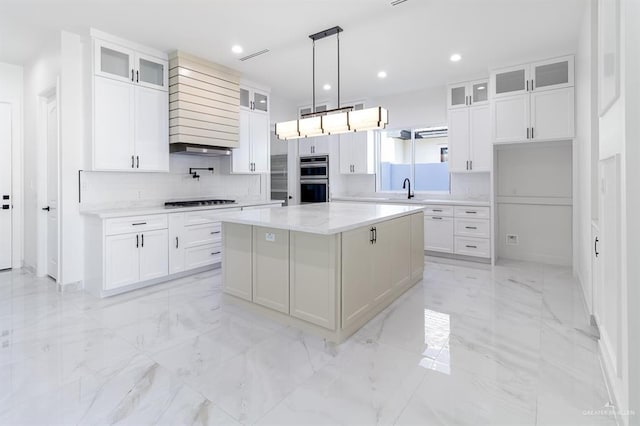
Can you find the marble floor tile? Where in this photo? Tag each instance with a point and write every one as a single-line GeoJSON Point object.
{"type": "Point", "coordinates": [470, 344]}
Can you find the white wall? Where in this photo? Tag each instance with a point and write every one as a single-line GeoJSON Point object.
{"type": "Point", "coordinates": [11, 92]}
{"type": "Point", "coordinates": [41, 76]}
{"type": "Point", "coordinates": [534, 195]}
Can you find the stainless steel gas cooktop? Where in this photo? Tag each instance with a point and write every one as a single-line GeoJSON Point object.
{"type": "Point", "coordinates": [196, 203]}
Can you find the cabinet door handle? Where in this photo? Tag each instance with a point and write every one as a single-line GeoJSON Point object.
{"type": "Point", "coordinates": [371, 235]}
{"type": "Point", "coordinates": [176, 242]}
{"type": "Point", "coordinates": [532, 133]}
{"type": "Point", "coordinates": [142, 238]}
{"type": "Point", "coordinates": [137, 161]}
{"type": "Point", "coordinates": [137, 76]}
{"type": "Point", "coordinates": [532, 85]}
{"type": "Point", "coordinates": [595, 247]}
{"type": "Point", "coordinates": [375, 234]}
{"type": "Point", "coordinates": [214, 253]}
{"type": "Point", "coordinates": [469, 246]}
{"type": "Point", "coordinates": [527, 85]}
{"type": "Point", "coordinates": [471, 227]}
{"type": "Point", "coordinates": [137, 241]}
{"type": "Point", "coordinates": [132, 162]}
{"type": "Point", "coordinates": [470, 164]}
{"type": "Point", "coordinates": [527, 133]}
{"type": "Point", "coordinates": [131, 74]}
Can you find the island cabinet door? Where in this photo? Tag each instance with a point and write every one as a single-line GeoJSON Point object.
{"type": "Point", "coordinates": [314, 271]}
{"type": "Point", "coordinates": [399, 248]}
{"type": "Point", "coordinates": [271, 268]}
{"type": "Point", "coordinates": [236, 260]}
{"type": "Point", "coordinates": [358, 291]}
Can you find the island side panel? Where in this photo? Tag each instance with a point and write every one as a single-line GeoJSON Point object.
{"type": "Point", "coordinates": [237, 260]}
{"type": "Point", "coordinates": [271, 268]}
{"type": "Point", "coordinates": [315, 277]}
{"type": "Point", "coordinates": [357, 275]}
{"type": "Point", "coordinates": [417, 246]}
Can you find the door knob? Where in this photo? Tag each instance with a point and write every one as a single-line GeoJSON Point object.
{"type": "Point", "coordinates": [46, 208]}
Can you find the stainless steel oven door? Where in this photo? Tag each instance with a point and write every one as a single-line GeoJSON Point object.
{"type": "Point", "coordinates": [314, 167]}
{"type": "Point", "coordinates": [314, 191]}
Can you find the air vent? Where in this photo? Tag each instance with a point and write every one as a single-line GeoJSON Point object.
{"type": "Point", "coordinates": [253, 55]}
{"type": "Point", "coordinates": [397, 2]}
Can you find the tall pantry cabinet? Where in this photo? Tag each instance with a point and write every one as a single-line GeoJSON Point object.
{"type": "Point", "coordinates": [130, 106]}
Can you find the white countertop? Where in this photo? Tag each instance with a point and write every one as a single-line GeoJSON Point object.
{"type": "Point", "coordinates": [321, 218]}
{"type": "Point", "coordinates": [138, 211]}
{"type": "Point", "coordinates": [420, 201]}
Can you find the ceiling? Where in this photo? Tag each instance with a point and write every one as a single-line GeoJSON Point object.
{"type": "Point", "coordinates": [412, 41]}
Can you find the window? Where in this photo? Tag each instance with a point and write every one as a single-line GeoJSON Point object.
{"type": "Point", "coordinates": [418, 154]}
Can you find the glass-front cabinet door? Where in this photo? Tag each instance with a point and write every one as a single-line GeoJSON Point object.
{"type": "Point", "coordinates": [151, 72]}
{"type": "Point", "coordinates": [245, 98]}
{"type": "Point", "coordinates": [114, 61]}
{"type": "Point", "coordinates": [458, 95]}
{"type": "Point", "coordinates": [552, 74]}
{"type": "Point", "coordinates": [260, 101]}
{"type": "Point", "coordinates": [510, 81]}
{"type": "Point", "coordinates": [479, 92]}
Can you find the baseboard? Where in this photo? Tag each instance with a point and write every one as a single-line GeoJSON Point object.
{"type": "Point", "coordinates": [70, 287]}
{"type": "Point", "coordinates": [485, 260]}
{"type": "Point", "coordinates": [613, 400]}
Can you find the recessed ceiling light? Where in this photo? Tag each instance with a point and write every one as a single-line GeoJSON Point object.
{"type": "Point", "coordinates": [455, 57]}
{"type": "Point", "coordinates": [327, 86]}
{"type": "Point", "coordinates": [382, 74]}
{"type": "Point", "coordinates": [237, 49]}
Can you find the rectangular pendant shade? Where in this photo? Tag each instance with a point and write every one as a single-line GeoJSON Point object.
{"type": "Point", "coordinates": [332, 124]}
{"type": "Point", "coordinates": [287, 130]}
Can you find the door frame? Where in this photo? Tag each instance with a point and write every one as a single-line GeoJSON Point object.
{"type": "Point", "coordinates": [43, 100]}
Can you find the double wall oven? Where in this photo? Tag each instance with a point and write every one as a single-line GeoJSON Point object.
{"type": "Point", "coordinates": [314, 179]}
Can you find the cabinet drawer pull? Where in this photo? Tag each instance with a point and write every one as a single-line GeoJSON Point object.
{"type": "Point", "coordinates": [436, 217]}
{"type": "Point", "coordinates": [471, 212]}
{"type": "Point", "coordinates": [437, 210]}
{"type": "Point", "coordinates": [469, 246]}
{"type": "Point", "coordinates": [215, 232]}
{"type": "Point", "coordinates": [214, 253]}
{"type": "Point", "coordinates": [471, 227]}
{"type": "Point", "coordinates": [139, 223]}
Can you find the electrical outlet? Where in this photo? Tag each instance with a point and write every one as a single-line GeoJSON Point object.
{"type": "Point", "coordinates": [269, 236]}
{"type": "Point", "coordinates": [512, 239]}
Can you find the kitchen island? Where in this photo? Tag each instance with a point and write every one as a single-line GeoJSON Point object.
{"type": "Point", "coordinates": [326, 268]}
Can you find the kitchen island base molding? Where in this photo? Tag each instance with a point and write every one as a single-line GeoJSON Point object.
{"type": "Point", "coordinates": [327, 284]}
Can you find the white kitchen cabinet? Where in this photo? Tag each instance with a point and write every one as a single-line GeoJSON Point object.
{"type": "Point", "coordinates": [357, 153]}
{"type": "Point", "coordinates": [176, 246]}
{"type": "Point", "coordinates": [534, 102]}
{"type": "Point", "coordinates": [552, 114]}
{"type": "Point", "coordinates": [154, 255]}
{"type": "Point", "coordinates": [252, 154]}
{"type": "Point", "coordinates": [133, 257]}
{"type": "Point", "coordinates": [130, 107]}
{"type": "Point", "coordinates": [438, 234]}
{"type": "Point", "coordinates": [470, 146]}
{"type": "Point", "coordinates": [468, 93]}
{"type": "Point", "coordinates": [313, 145]}
{"type": "Point", "coordinates": [122, 260]}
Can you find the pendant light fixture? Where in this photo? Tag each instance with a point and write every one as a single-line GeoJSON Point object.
{"type": "Point", "coordinates": [334, 121]}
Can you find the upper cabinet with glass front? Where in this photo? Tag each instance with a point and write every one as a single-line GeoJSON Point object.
{"type": "Point", "coordinates": [551, 74]}
{"type": "Point", "coordinates": [130, 65]}
{"type": "Point", "coordinates": [468, 93]}
{"type": "Point", "coordinates": [254, 99]}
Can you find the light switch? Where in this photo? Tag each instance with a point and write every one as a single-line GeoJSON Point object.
{"type": "Point", "coordinates": [270, 236]}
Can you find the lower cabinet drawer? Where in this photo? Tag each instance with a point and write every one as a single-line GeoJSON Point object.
{"type": "Point", "coordinates": [196, 257]}
{"type": "Point", "coordinates": [472, 212]}
{"type": "Point", "coordinates": [469, 246]}
{"type": "Point", "coordinates": [438, 233]}
{"type": "Point", "coordinates": [197, 235]}
{"type": "Point", "coordinates": [472, 227]}
{"type": "Point", "coordinates": [125, 225]}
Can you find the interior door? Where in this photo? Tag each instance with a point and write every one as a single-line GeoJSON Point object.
{"type": "Point", "coordinates": [260, 142]}
{"type": "Point", "coordinates": [458, 139]}
{"type": "Point", "coordinates": [5, 186]}
{"type": "Point", "coordinates": [113, 125]}
{"type": "Point", "coordinates": [52, 189]}
{"type": "Point", "coordinates": [552, 116]}
{"type": "Point", "coordinates": [154, 254]}
{"type": "Point", "coordinates": [151, 129]}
